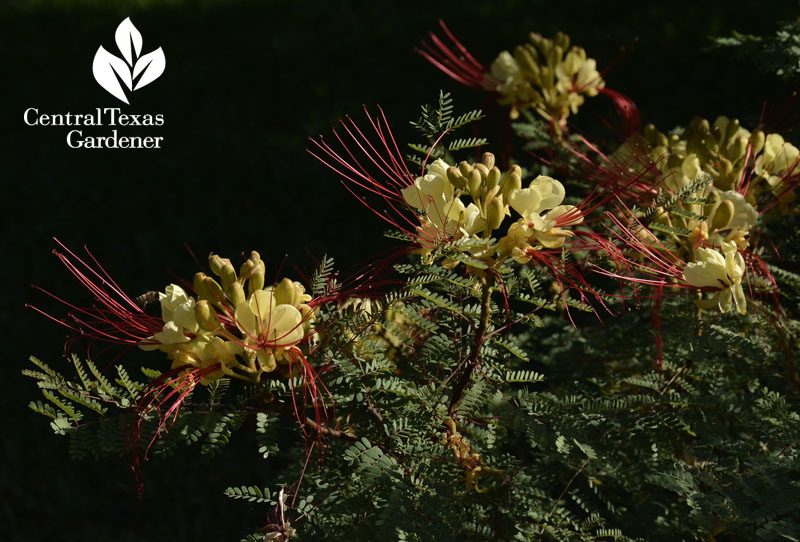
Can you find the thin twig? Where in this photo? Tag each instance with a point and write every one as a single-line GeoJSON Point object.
{"type": "Point", "coordinates": [328, 431]}
{"type": "Point", "coordinates": [566, 488]}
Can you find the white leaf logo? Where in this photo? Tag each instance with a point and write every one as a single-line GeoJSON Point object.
{"type": "Point", "coordinates": [135, 71]}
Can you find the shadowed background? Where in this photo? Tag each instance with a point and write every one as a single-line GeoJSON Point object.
{"type": "Point", "coordinates": [246, 83]}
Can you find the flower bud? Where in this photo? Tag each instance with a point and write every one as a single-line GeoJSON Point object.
{"type": "Point", "coordinates": [660, 216]}
{"type": "Point", "coordinates": [492, 178]}
{"type": "Point", "coordinates": [651, 133]}
{"type": "Point", "coordinates": [546, 77]}
{"type": "Point", "coordinates": [726, 166]}
{"type": "Point", "coordinates": [737, 149]}
{"type": "Point", "coordinates": [253, 270]}
{"type": "Point", "coordinates": [513, 181]}
{"type": "Point", "coordinates": [483, 170]}
{"type": "Point", "coordinates": [474, 182]}
{"type": "Point", "coordinates": [526, 60]}
{"type": "Point", "coordinates": [536, 39]}
{"type": "Point", "coordinates": [732, 128]}
{"type": "Point", "coordinates": [285, 293]}
{"type": "Point", "coordinates": [456, 178]}
{"type": "Point", "coordinates": [223, 268]}
{"type": "Point", "coordinates": [206, 316]}
{"type": "Point", "coordinates": [711, 144]}
{"type": "Point", "coordinates": [495, 213]}
{"type": "Point", "coordinates": [200, 287]}
{"type": "Point", "coordinates": [553, 54]}
{"type": "Point", "coordinates": [211, 289]}
{"type": "Point", "coordinates": [465, 168]}
{"type": "Point", "coordinates": [489, 195]}
{"type": "Point", "coordinates": [216, 262]}
{"type": "Point", "coordinates": [561, 40]}
{"type": "Point", "coordinates": [488, 160]}
{"type": "Point", "coordinates": [236, 293]}
{"type": "Point", "coordinates": [256, 279]}
{"type": "Point", "coordinates": [723, 215]}
{"type": "Point", "coordinates": [757, 139]}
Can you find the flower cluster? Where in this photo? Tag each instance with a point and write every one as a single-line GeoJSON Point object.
{"type": "Point", "coordinates": [537, 228]}
{"type": "Point", "coordinates": [237, 323]}
{"type": "Point", "coordinates": [547, 75]}
{"type": "Point", "coordinates": [759, 166]}
{"type": "Point", "coordinates": [706, 186]}
{"type": "Point", "coordinates": [445, 220]}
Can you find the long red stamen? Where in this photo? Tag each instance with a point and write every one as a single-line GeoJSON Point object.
{"type": "Point", "coordinates": [392, 176]}
{"type": "Point", "coordinates": [459, 65]}
{"type": "Point", "coordinates": [117, 319]}
{"type": "Point", "coordinates": [180, 386]}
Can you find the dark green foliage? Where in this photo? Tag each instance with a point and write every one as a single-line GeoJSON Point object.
{"type": "Point", "coordinates": [580, 432]}
{"type": "Point", "coordinates": [436, 125]}
{"type": "Point", "coordinates": [777, 54]}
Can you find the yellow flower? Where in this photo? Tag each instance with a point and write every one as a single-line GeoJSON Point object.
{"type": "Point", "coordinates": [547, 75]}
{"type": "Point", "coordinates": [723, 271]}
{"type": "Point", "coordinates": [515, 243]}
{"type": "Point", "coordinates": [268, 328]}
{"type": "Point", "coordinates": [542, 194]}
{"type": "Point", "coordinates": [779, 156]}
{"type": "Point", "coordinates": [432, 189]}
{"type": "Point", "coordinates": [177, 311]}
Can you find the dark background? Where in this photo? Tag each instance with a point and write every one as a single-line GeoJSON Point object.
{"type": "Point", "coordinates": [245, 84]}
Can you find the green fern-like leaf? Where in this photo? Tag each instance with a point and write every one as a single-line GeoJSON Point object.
{"type": "Point", "coordinates": [513, 348]}
{"type": "Point", "coordinates": [467, 143]}
{"type": "Point", "coordinates": [252, 494]}
{"type": "Point", "coordinates": [371, 462]}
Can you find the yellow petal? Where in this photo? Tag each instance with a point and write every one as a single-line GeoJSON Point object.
{"type": "Point", "coordinates": [550, 190]}
{"type": "Point", "coordinates": [262, 302]}
{"type": "Point", "coordinates": [285, 325]}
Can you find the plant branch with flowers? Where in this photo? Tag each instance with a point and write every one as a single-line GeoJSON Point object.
{"type": "Point", "coordinates": [583, 342]}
